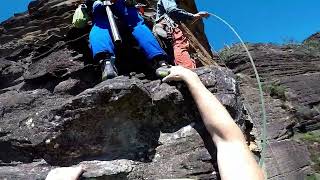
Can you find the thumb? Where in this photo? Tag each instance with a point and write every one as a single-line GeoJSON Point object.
{"type": "Point", "coordinates": [170, 77]}
{"type": "Point", "coordinates": [167, 78]}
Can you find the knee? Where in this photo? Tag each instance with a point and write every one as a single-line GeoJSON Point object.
{"type": "Point", "coordinates": [133, 18]}
{"type": "Point", "coordinates": [143, 30]}
{"type": "Point", "coordinates": [97, 4]}
{"type": "Point", "coordinates": [97, 8]}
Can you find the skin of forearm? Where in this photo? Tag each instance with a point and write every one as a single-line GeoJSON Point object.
{"type": "Point", "coordinates": [227, 136]}
{"type": "Point", "coordinates": [232, 150]}
{"type": "Point", "coordinates": [215, 117]}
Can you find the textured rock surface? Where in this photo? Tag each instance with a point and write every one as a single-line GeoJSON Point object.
{"type": "Point", "coordinates": [122, 128]}
{"type": "Point", "coordinates": [129, 123]}
{"type": "Point", "coordinates": [55, 112]}
{"type": "Point", "coordinates": [290, 74]}
{"type": "Point", "coordinates": [314, 37]}
{"type": "Point", "coordinates": [285, 158]}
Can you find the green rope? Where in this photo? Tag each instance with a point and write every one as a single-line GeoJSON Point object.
{"type": "Point", "coordinates": [263, 109]}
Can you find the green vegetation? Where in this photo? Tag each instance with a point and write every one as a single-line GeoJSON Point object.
{"type": "Point", "coordinates": [313, 136]}
{"type": "Point", "coordinates": [275, 90]}
{"type": "Point", "coordinates": [224, 55]}
{"type": "Point", "coordinates": [310, 47]}
{"type": "Point", "coordinates": [313, 177]}
{"type": "Point", "coordinates": [228, 51]}
{"type": "Point", "coordinates": [312, 140]}
{"type": "Point", "coordinates": [312, 44]}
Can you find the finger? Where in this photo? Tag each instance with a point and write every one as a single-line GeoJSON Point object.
{"type": "Point", "coordinates": [167, 78]}
{"type": "Point", "coordinates": [170, 76]}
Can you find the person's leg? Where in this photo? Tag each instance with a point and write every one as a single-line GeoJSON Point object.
{"type": "Point", "coordinates": [180, 48]}
{"type": "Point", "coordinates": [146, 40]}
{"type": "Point", "coordinates": [101, 41]}
{"type": "Point", "coordinates": [100, 34]}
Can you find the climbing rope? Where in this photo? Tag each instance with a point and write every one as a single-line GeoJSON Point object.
{"type": "Point", "coordinates": [263, 109]}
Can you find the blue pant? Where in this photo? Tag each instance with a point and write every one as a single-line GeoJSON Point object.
{"type": "Point", "coordinates": [100, 34]}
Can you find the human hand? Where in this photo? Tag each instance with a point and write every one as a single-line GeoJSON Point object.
{"type": "Point", "coordinates": [201, 14]}
{"type": "Point", "coordinates": [65, 173]}
{"type": "Point", "coordinates": [179, 73]}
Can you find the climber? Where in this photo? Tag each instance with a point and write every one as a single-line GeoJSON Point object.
{"type": "Point", "coordinates": [235, 160]}
{"type": "Point", "coordinates": [168, 18]}
{"type": "Point", "coordinates": [101, 44]}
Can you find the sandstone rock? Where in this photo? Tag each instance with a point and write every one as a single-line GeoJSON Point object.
{"type": "Point", "coordinates": [314, 37]}
{"type": "Point", "coordinates": [69, 86]}
{"type": "Point", "coordinates": [122, 118]}
{"type": "Point", "coordinates": [46, 114]}
{"type": "Point", "coordinates": [294, 70]}
{"type": "Point", "coordinates": [54, 111]}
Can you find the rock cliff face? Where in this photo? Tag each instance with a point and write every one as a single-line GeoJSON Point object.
{"type": "Point", "coordinates": [291, 75]}
{"type": "Point", "coordinates": [136, 128]}
{"type": "Point", "coordinates": [314, 37]}
{"type": "Point", "coordinates": [54, 111]}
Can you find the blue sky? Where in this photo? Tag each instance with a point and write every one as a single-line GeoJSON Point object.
{"type": "Point", "coordinates": [275, 21]}
{"type": "Point", "coordinates": [9, 7]}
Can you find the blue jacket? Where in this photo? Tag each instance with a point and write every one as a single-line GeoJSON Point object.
{"type": "Point", "coordinates": [170, 7]}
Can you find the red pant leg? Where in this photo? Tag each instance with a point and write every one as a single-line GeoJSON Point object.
{"type": "Point", "coordinates": [180, 48]}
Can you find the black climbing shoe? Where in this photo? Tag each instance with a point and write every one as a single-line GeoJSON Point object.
{"type": "Point", "coordinates": [109, 71]}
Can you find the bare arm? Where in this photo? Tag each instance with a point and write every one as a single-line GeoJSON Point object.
{"type": "Point", "coordinates": [171, 8]}
{"type": "Point", "coordinates": [235, 160]}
